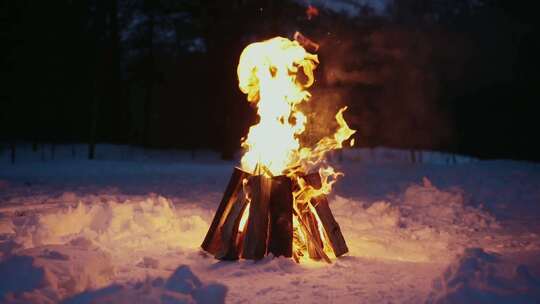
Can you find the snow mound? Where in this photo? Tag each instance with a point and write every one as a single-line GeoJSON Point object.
{"type": "Point", "coordinates": [480, 277]}
{"type": "Point", "coordinates": [181, 287]}
{"type": "Point", "coordinates": [428, 206]}
{"type": "Point", "coordinates": [149, 225]}
{"type": "Point", "coordinates": [49, 273]}
{"type": "Point", "coordinates": [425, 224]}
{"type": "Point", "coordinates": [33, 280]}
{"type": "Point", "coordinates": [68, 249]}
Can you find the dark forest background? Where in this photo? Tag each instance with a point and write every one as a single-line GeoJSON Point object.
{"type": "Point", "coordinates": [450, 75]}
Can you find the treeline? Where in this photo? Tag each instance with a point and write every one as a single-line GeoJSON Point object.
{"type": "Point", "coordinates": [457, 76]}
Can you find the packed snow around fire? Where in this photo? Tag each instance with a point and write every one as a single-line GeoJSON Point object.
{"type": "Point", "coordinates": [127, 228]}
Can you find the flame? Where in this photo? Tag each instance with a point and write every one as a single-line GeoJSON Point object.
{"type": "Point", "coordinates": [269, 73]}
{"type": "Point", "coordinates": [245, 213]}
{"type": "Point", "coordinates": [306, 192]}
{"type": "Point", "coordinates": [244, 218]}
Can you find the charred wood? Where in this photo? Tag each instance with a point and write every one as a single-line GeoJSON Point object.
{"type": "Point", "coordinates": [281, 227]}
{"type": "Point", "coordinates": [256, 230]}
{"type": "Point", "coordinates": [212, 242]}
{"type": "Point", "coordinates": [329, 223]}
{"type": "Point", "coordinates": [228, 231]}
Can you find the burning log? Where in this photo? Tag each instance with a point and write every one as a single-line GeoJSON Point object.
{"type": "Point", "coordinates": [315, 247]}
{"type": "Point", "coordinates": [212, 242]}
{"type": "Point", "coordinates": [256, 235]}
{"type": "Point", "coordinates": [229, 231]}
{"type": "Point", "coordinates": [281, 226]}
{"type": "Point", "coordinates": [331, 227]}
{"type": "Point", "coordinates": [315, 244]}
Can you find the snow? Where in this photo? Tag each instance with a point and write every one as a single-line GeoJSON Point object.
{"type": "Point", "coordinates": [127, 228]}
{"type": "Point", "coordinates": [479, 277]}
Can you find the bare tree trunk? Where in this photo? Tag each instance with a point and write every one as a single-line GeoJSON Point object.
{"type": "Point", "coordinates": [13, 151]}
{"type": "Point", "coordinates": [149, 7]}
{"type": "Point", "coordinates": [115, 43]}
{"type": "Point", "coordinates": [115, 72]}
{"type": "Point", "coordinates": [93, 125]}
{"type": "Point", "coordinates": [98, 73]}
{"type": "Point", "coordinates": [221, 31]}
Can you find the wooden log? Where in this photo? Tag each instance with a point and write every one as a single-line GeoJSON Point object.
{"type": "Point", "coordinates": [315, 241]}
{"type": "Point", "coordinates": [256, 229]}
{"type": "Point", "coordinates": [331, 227]}
{"type": "Point", "coordinates": [228, 232]}
{"type": "Point", "coordinates": [212, 242]}
{"type": "Point", "coordinates": [309, 236]}
{"type": "Point", "coordinates": [281, 227]}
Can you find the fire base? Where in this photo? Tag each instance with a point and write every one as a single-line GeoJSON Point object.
{"type": "Point", "coordinates": [269, 225]}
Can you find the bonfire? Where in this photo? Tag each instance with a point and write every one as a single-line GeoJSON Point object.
{"type": "Point", "coordinates": [275, 202]}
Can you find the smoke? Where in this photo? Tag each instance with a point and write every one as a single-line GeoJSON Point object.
{"type": "Point", "coordinates": [391, 81]}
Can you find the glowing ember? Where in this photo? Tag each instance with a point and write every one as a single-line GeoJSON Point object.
{"type": "Point", "coordinates": [311, 11]}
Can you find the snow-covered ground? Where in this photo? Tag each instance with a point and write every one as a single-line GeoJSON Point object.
{"type": "Point", "coordinates": [126, 228]}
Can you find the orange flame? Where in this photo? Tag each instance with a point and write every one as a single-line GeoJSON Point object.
{"type": "Point", "coordinates": [267, 73]}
